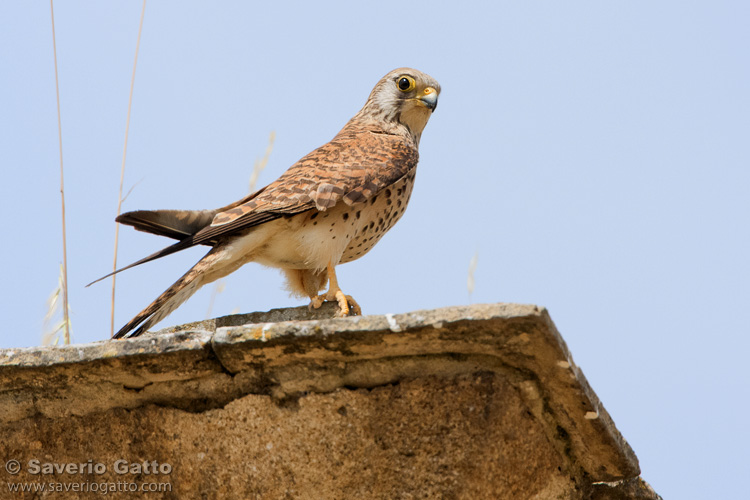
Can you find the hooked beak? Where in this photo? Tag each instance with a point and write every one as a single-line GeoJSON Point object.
{"type": "Point", "coordinates": [429, 98]}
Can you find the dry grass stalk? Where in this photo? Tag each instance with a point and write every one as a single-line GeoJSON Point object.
{"type": "Point", "coordinates": [258, 167]}
{"type": "Point", "coordinates": [262, 162]}
{"type": "Point", "coordinates": [51, 335]}
{"type": "Point", "coordinates": [218, 288]}
{"type": "Point", "coordinates": [470, 281]}
{"type": "Point", "coordinates": [122, 172]}
{"type": "Point", "coordinates": [64, 271]}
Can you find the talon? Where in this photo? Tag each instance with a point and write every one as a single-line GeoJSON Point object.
{"type": "Point", "coordinates": [347, 305]}
{"type": "Point", "coordinates": [356, 310]}
{"type": "Point", "coordinates": [316, 302]}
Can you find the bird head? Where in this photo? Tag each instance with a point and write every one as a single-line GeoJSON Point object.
{"type": "Point", "coordinates": [404, 97]}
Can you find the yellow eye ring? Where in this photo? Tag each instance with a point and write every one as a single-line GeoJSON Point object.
{"type": "Point", "coordinates": [405, 83]}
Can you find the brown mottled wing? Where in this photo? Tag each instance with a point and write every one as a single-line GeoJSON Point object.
{"type": "Point", "coordinates": [353, 167]}
{"type": "Point", "coordinates": [177, 224]}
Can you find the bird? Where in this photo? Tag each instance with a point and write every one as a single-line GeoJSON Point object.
{"type": "Point", "coordinates": [329, 208]}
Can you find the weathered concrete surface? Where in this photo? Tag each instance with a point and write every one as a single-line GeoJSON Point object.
{"type": "Point", "coordinates": [464, 402]}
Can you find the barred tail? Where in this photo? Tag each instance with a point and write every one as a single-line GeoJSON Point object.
{"type": "Point", "coordinates": [170, 300]}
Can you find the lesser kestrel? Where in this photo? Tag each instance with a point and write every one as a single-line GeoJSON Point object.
{"type": "Point", "coordinates": [329, 208]}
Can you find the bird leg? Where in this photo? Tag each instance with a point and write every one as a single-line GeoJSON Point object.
{"type": "Point", "coordinates": [334, 293]}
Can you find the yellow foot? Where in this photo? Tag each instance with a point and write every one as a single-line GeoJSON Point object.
{"type": "Point", "coordinates": [316, 302]}
{"type": "Point", "coordinates": [347, 304]}
{"type": "Point", "coordinates": [345, 301]}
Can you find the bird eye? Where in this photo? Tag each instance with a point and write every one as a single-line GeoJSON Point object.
{"type": "Point", "coordinates": [406, 83]}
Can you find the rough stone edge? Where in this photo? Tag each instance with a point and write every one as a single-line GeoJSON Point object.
{"type": "Point", "coordinates": [229, 342]}
{"type": "Point", "coordinates": [197, 336]}
{"type": "Point", "coordinates": [627, 489]}
{"type": "Point", "coordinates": [210, 347]}
{"type": "Point", "coordinates": [601, 414]}
{"type": "Point", "coordinates": [148, 345]}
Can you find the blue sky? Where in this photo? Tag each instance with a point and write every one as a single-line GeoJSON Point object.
{"type": "Point", "coordinates": [594, 155]}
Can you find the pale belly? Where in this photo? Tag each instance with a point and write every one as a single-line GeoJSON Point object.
{"type": "Point", "coordinates": [341, 234]}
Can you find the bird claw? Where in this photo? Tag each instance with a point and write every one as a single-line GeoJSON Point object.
{"type": "Point", "coordinates": [347, 305]}
{"type": "Point", "coordinates": [316, 302]}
